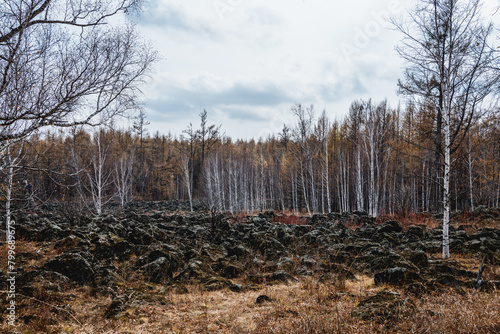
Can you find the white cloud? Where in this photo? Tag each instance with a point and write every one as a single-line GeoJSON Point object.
{"type": "Point", "coordinates": [248, 61]}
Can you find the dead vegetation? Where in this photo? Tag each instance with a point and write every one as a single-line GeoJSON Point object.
{"type": "Point", "coordinates": [309, 305]}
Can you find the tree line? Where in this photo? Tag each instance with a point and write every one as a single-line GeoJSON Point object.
{"type": "Point", "coordinates": [377, 159]}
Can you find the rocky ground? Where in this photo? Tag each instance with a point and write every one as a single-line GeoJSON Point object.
{"type": "Point", "coordinates": [148, 267]}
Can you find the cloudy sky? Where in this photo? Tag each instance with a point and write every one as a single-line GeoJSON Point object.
{"type": "Point", "coordinates": [247, 62]}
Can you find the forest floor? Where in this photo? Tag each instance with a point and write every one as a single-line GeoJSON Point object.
{"type": "Point", "coordinates": [317, 301]}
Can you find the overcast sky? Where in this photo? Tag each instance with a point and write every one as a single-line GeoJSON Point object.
{"type": "Point", "coordinates": [247, 62]}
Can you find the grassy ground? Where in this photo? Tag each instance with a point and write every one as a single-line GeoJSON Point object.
{"type": "Point", "coordinates": [308, 305]}
{"type": "Point", "coordinates": [303, 306]}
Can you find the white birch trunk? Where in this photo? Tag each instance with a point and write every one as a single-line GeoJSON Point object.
{"type": "Point", "coordinates": [446, 177]}
{"type": "Point", "coordinates": [10, 181]}
{"type": "Point", "coordinates": [327, 175]}
{"type": "Point", "coordinates": [470, 163]}
{"type": "Point", "coordinates": [123, 179]}
{"type": "Point", "coordinates": [359, 184]}
{"type": "Point", "coordinates": [304, 189]}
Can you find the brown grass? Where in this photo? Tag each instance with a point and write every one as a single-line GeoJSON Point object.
{"type": "Point", "coordinates": [306, 306]}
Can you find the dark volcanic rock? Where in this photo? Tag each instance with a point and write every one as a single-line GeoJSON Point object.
{"type": "Point", "coordinates": [169, 245]}
{"type": "Point", "coordinates": [240, 251]}
{"type": "Point", "coordinates": [281, 276]}
{"type": "Point", "coordinates": [447, 280]}
{"type": "Point", "coordinates": [417, 257]}
{"type": "Point", "coordinates": [76, 266]}
{"type": "Point", "coordinates": [52, 232]}
{"type": "Point", "coordinates": [395, 276]}
{"type": "Point", "coordinates": [414, 233]}
{"type": "Point", "coordinates": [140, 237]}
{"type": "Point", "coordinates": [262, 299]}
{"type": "Point", "coordinates": [196, 268]}
{"type": "Point", "coordinates": [71, 241]}
{"type": "Point", "coordinates": [231, 270]}
{"type": "Point", "coordinates": [112, 246]}
{"type": "Point", "coordinates": [158, 271]}
{"type": "Point", "coordinates": [389, 226]}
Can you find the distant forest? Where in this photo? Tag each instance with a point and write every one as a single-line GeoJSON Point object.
{"type": "Point", "coordinates": [377, 159]}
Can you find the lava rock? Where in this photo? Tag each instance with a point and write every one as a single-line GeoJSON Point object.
{"type": "Point", "coordinates": [395, 276]}
{"type": "Point", "coordinates": [75, 266]}
{"type": "Point", "coordinates": [389, 226]}
{"type": "Point", "coordinates": [262, 299]}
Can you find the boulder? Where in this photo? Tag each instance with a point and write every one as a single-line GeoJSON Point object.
{"type": "Point", "coordinates": [262, 299]}
{"type": "Point", "coordinates": [389, 226]}
{"type": "Point", "coordinates": [415, 233]}
{"type": "Point", "coordinates": [75, 266]}
{"type": "Point", "coordinates": [280, 276]}
{"type": "Point", "coordinates": [417, 257]}
{"type": "Point", "coordinates": [395, 276]}
{"type": "Point", "coordinates": [158, 271]}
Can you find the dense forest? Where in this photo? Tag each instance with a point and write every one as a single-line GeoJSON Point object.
{"type": "Point", "coordinates": [377, 159]}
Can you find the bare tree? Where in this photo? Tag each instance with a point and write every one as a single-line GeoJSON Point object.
{"type": "Point", "coordinates": [450, 65]}
{"type": "Point", "coordinates": [185, 165]}
{"type": "Point", "coordinates": [99, 177]}
{"type": "Point", "coordinates": [10, 157]}
{"type": "Point", "coordinates": [322, 133]}
{"type": "Point", "coordinates": [355, 120]}
{"type": "Point", "coordinates": [374, 120]}
{"type": "Point", "coordinates": [62, 65]}
{"type": "Point", "coordinates": [123, 177]}
{"type": "Point", "coordinates": [304, 153]}
{"type": "Point", "coordinates": [140, 129]}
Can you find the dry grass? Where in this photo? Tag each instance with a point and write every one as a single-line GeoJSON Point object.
{"type": "Point", "coordinates": [306, 306]}
{"type": "Point", "coordinates": [469, 221]}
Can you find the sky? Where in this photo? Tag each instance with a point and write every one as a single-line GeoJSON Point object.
{"type": "Point", "coordinates": [247, 62]}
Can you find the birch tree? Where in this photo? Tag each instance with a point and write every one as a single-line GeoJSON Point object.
{"type": "Point", "coordinates": [322, 133]}
{"type": "Point", "coordinates": [355, 120]}
{"type": "Point", "coordinates": [450, 65]}
{"type": "Point", "coordinates": [123, 178]}
{"type": "Point", "coordinates": [99, 176]}
{"type": "Point", "coordinates": [140, 128]}
{"type": "Point", "coordinates": [374, 137]}
{"type": "Point", "coordinates": [10, 158]}
{"type": "Point", "coordinates": [185, 165]}
{"type": "Point", "coordinates": [304, 153]}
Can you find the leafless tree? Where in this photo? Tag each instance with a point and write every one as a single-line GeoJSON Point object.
{"type": "Point", "coordinates": [11, 154]}
{"type": "Point", "coordinates": [123, 177]}
{"type": "Point", "coordinates": [450, 65]}
{"type": "Point", "coordinates": [304, 153]}
{"type": "Point", "coordinates": [140, 129]}
{"type": "Point", "coordinates": [61, 64]}
{"type": "Point", "coordinates": [99, 176]}
{"type": "Point", "coordinates": [185, 165]}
